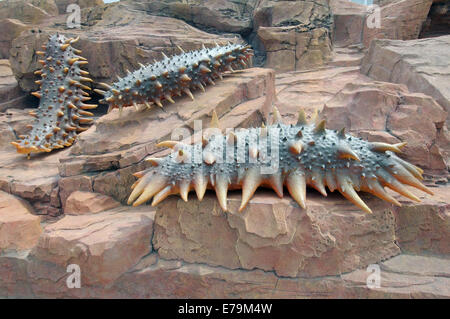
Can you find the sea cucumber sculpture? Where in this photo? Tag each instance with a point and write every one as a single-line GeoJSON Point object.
{"type": "Point", "coordinates": [61, 113]}
{"type": "Point", "coordinates": [308, 154]}
{"type": "Point", "coordinates": [172, 76]}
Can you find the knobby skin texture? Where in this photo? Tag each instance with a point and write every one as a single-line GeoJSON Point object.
{"type": "Point", "coordinates": [308, 155]}
{"type": "Point", "coordinates": [161, 81]}
{"type": "Point", "coordinates": [62, 112]}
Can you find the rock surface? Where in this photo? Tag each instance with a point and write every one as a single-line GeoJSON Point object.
{"type": "Point", "coordinates": [274, 235]}
{"type": "Point", "coordinates": [80, 203]}
{"type": "Point", "coordinates": [419, 64]}
{"type": "Point", "coordinates": [103, 245]}
{"type": "Point", "coordinates": [11, 28]}
{"type": "Point", "coordinates": [19, 228]}
{"type": "Point", "coordinates": [398, 20]}
{"type": "Point", "coordinates": [10, 94]}
{"type": "Point", "coordinates": [370, 109]}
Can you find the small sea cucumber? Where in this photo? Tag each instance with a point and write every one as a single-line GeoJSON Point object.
{"type": "Point", "coordinates": [308, 155]}
{"type": "Point", "coordinates": [62, 112]}
{"type": "Point", "coordinates": [161, 81]}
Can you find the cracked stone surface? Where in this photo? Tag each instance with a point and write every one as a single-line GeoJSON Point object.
{"type": "Point", "coordinates": [104, 245]}
{"type": "Point", "coordinates": [275, 235]}
{"type": "Point", "coordinates": [419, 64]}
{"type": "Point", "coordinates": [19, 228]}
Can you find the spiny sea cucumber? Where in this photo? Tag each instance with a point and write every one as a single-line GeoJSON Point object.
{"type": "Point", "coordinates": [61, 113]}
{"type": "Point", "coordinates": [308, 154]}
{"type": "Point", "coordinates": [172, 76]}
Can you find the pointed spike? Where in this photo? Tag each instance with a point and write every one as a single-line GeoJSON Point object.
{"type": "Point", "coordinates": [181, 49]}
{"type": "Point", "coordinates": [88, 106]}
{"type": "Point", "coordinates": [73, 60]}
{"type": "Point", "coordinates": [345, 151]}
{"type": "Point", "coordinates": [100, 92]}
{"type": "Point", "coordinates": [317, 182]}
{"type": "Point", "coordinates": [296, 186]}
{"type": "Point", "coordinates": [64, 46]}
{"type": "Point", "coordinates": [302, 118]}
{"type": "Point", "coordinates": [165, 56]}
{"type": "Point", "coordinates": [376, 189]}
{"type": "Point", "coordinates": [72, 41]}
{"type": "Point", "coordinates": [320, 127]}
{"type": "Point", "coordinates": [170, 144]}
{"type": "Point", "coordinates": [201, 87]}
{"type": "Point", "coordinates": [276, 117]}
{"type": "Point", "coordinates": [214, 120]}
{"type": "Point", "coordinates": [404, 176]}
{"type": "Point", "coordinates": [82, 78]}
{"type": "Point", "coordinates": [221, 188]}
{"type": "Point", "coordinates": [296, 147]}
{"type": "Point", "coordinates": [169, 98]}
{"type": "Point", "coordinates": [341, 133]}
{"type": "Point", "coordinates": [346, 189]}
{"type": "Point", "coordinates": [416, 171]}
{"type": "Point", "coordinates": [251, 182]}
{"type": "Point", "coordinates": [276, 182]}
{"type": "Point", "coordinates": [157, 101]}
{"type": "Point", "coordinates": [203, 69]}
{"type": "Point", "coordinates": [36, 94]}
{"type": "Point", "coordinates": [185, 78]}
{"type": "Point", "coordinates": [161, 195]}
{"type": "Point", "coordinates": [200, 184]}
{"type": "Point", "coordinates": [146, 188]}
{"type": "Point", "coordinates": [104, 85]}
{"type": "Point", "coordinates": [382, 147]}
{"type": "Point", "coordinates": [184, 190]}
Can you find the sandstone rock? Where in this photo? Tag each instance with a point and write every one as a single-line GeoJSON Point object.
{"type": "Point", "coordinates": [275, 235]}
{"type": "Point", "coordinates": [405, 277]}
{"type": "Point", "coordinates": [10, 94]}
{"type": "Point", "coordinates": [12, 28]}
{"type": "Point", "coordinates": [295, 34]}
{"type": "Point", "coordinates": [425, 227]}
{"type": "Point", "coordinates": [311, 90]}
{"type": "Point", "coordinates": [304, 13]}
{"type": "Point", "coordinates": [400, 20]}
{"type": "Point", "coordinates": [349, 19]}
{"type": "Point", "coordinates": [104, 245]}
{"type": "Point", "coordinates": [419, 64]}
{"type": "Point", "coordinates": [418, 265]}
{"type": "Point", "coordinates": [19, 228]}
{"type": "Point", "coordinates": [34, 11]}
{"type": "Point", "coordinates": [295, 48]}
{"type": "Point", "coordinates": [220, 15]}
{"type": "Point", "coordinates": [391, 108]}
{"type": "Point", "coordinates": [80, 203]}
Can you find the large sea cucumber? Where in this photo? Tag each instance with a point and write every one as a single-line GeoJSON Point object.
{"type": "Point", "coordinates": [308, 155]}
{"type": "Point", "coordinates": [162, 80]}
{"type": "Point", "coordinates": [61, 113]}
